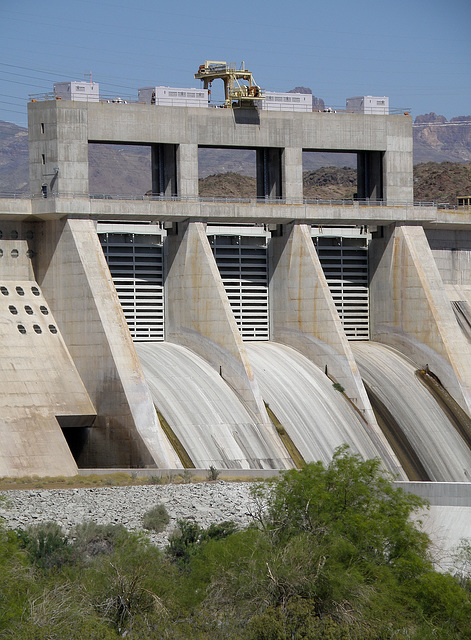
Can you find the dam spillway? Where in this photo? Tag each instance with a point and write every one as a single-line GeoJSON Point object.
{"type": "Point", "coordinates": [205, 414]}
{"type": "Point", "coordinates": [305, 279]}
{"type": "Point", "coordinates": [393, 383]}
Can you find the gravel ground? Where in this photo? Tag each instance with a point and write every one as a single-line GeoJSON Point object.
{"type": "Point", "coordinates": [204, 502]}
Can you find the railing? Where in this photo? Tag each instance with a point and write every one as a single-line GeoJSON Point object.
{"type": "Point", "coordinates": [223, 200]}
{"type": "Point", "coordinates": [15, 196]}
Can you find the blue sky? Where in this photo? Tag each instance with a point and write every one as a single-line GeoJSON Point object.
{"type": "Point", "coordinates": [417, 53]}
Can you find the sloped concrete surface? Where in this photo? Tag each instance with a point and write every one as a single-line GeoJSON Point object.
{"type": "Point", "coordinates": [442, 451]}
{"type": "Point", "coordinates": [317, 417]}
{"type": "Point", "coordinates": [206, 415]}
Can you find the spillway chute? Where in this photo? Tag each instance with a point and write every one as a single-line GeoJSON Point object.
{"type": "Point", "coordinates": [392, 380]}
{"type": "Point", "coordinates": [208, 418]}
{"type": "Point", "coordinates": [317, 417]}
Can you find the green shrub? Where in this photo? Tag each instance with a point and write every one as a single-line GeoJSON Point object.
{"type": "Point", "coordinates": [156, 519]}
{"type": "Point", "coordinates": [47, 545]}
{"type": "Point", "coordinates": [91, 539]}
{"type": "Point", "coordinates": [213, 474]}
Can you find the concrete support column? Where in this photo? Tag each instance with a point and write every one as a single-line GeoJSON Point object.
{"type": "Point", "coordinates": [199, 315]}
{"type": "Point", "coordinates": [72, 272]}
{"type": "Point", "coordinates": [164, 169]}
{"type": "Point", "coordinates": [304, 317]}
{"type": "Point", "coordinates": [292, 174]}
{"type": "Point", "coordinates": [370, 175]}
{"type": "Point", "coordinates": [410, 309]}
{"type": "Point", "coordinates": [187, 170]}
{"type": "Point", "coordinates": [269, 172]}
{"type": "Point", "coordinates": [58, 144]}
{"type": "Point", "coordinates": [398, 183]}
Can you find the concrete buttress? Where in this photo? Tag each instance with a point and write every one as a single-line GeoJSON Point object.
{"type": "Point", "coordinates": [410, 309]}
{"type": "Point", "coordinates": [75, 278]}
{"type": "Point", "coordinates": [304, 317]}
{"type": "Point", "coordinates": [199, 316]}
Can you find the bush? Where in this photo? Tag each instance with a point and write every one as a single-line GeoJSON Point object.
{"type": "Point", "coordinates": [156, 519]}
{"type": "Point", "coordinates": [91, 539]}
{"type": "Point", "coordinates": [47, 545]}
{"type": "Point", "coordinates": [213, 474]}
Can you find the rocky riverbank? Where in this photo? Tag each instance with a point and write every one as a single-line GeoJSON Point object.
{"type": "Point", "coordinates": [204, 502]}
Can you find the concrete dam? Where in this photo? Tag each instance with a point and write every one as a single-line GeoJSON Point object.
{"type": "Point", "coordinates": [169, 330]}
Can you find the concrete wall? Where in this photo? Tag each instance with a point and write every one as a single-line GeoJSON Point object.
{"type": "Point", "coordinates": [39, 382]}
{"type": "Point", "coordinates": [69, 126]}
{"type": "Point", "coordinates": [58, 140]}
{"type": "Point", "coordinates": [72, 271]}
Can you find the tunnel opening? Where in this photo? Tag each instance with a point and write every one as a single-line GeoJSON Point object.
{"type": "Point", "coordinates": [76, 430]}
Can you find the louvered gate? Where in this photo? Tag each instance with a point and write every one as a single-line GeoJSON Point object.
{"type": "Point", "coordinates": [135, 263]}
{"type": "Point", "coordinates": [243, 265]}
{"type": "Point", "coordinates": [345, 264]}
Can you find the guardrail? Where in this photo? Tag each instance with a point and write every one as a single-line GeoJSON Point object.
{"type": "Point", "coordinates": [224, 200]}
{"type": "Point", "coordinates": [15, 196]}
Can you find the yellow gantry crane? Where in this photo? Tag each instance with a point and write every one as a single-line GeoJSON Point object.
{"type": "Point", "coordinates": [235, 93]}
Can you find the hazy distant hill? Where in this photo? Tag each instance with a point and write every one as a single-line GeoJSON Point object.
{"type": "Point", "coordinates": [14, 169]}
{"type": "Point", "coordinates": [125, 170]}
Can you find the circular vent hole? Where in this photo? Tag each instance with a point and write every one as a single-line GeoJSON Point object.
{"type": "Point", "coordinates": [4, 290]}
{"type": "Point", "coordinates": [13, 309]}
{"type": "Point", "coordinates": [21, 328]}
{"type": "Point", "coordinates": [35, 291]}
{"type": "Point", "coordinates": [28, 310]}
{"type": "Point", "coordinates": [14, 253]}
{"type": "Point", "coordinates": [44, 310]}
{"type": "Point", "coordinates": [20, 291]}
{"type": "Point", "coordinates": [29, 235]}
{"type": "Point", "coordinates": [52, 328]}
{"type": "Point", "coordinates": [37, 328]}
{"type": "Point", "coordinates": [14, 234]}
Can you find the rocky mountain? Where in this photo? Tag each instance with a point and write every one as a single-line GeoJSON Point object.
{"type": "Point", "coordinates": [442, 181]}
{"type": "Point", "coordinates": [433, 181]}
{"type": "Point", "coordinates": [436, 139]}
